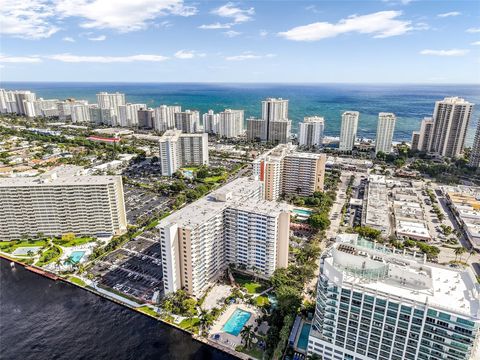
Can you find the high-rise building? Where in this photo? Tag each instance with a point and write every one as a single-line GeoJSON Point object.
{"type": "Point", "coordinates": [415, 140]}
{"type": "Point", "coordinates": [232, 225]}
{"type": "Point", "coordinates": [177, 150]}
{"type": "Point", "coordinates": [145, 118]}
{"type": "Point", "coordinates": [450, 123]}
{"type": "Point", "coordinates": [303, 173]}
{"type": "Point", "coordinates": [61, 201]}
{"type": "Point", "coordinates": [210, 122]}
{"type": "Point", "coordinates": [230, 123]}
{"type": "Point", "coordinates": [95, 114]}
{"type": "Point", "coordinates": [21, 97]}
{"type": "Point", "coordinates": [256, 129]}
{"type": "Point", "coordinates": [80, 113]}
{"type": "Point", "coordinates": [277, 125]}
{"type": "Point", "coordinates": [164, 117]}
{"type": "Point", "coordinates": [377, 303]}
{"type": "Point", "coordinates": [188, 121]}
{"type": "Point", "coordinates": [111, 102]}
{"type": "Point", "coordinates": [283, 170]}
{"type": "Point", "coordinates": [474, 160]}
{"type": "Point", "coordinates": [385, 128]}
{"type": "Point", "coordinates": [348, 130]}
{"type": "Point", "coordinates": [426, 129]}
{"type": "Point", "coordinates": [311, 131]}
{"type": "Point", "coordinates": [128, 114]}
{"type": "Point", "coordinates": [46, 107]}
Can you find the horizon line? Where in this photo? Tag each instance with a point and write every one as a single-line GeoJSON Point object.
{"type": "Point", "coordinates": [236, 82]}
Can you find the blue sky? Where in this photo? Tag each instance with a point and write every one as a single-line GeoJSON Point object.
{"type": "Point", "coordinates": [384, 41]}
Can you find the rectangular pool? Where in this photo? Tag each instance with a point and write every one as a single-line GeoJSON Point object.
{"type": "Point", "coordinates": [302, 212]}
{"type": "Point", "coordinates": [236, 322]}
{"type": "Point", "coordinates": [302, 342]}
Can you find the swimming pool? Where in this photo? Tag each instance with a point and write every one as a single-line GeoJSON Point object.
{"type": "Point", "coordinates": [236, 322]}
{"type": "Point", "coordinates": [302, 342]}
{"type": "Point", "coordinates": [76, 256]}
{"type": "Point", "coordinates": [302, 212]}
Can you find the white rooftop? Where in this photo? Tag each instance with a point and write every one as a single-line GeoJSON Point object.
{"type": "Point", "coordinates": [403, 277]}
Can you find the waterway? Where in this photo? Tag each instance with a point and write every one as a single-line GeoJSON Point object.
{"type": "Point", "coordinates": [43, 319]}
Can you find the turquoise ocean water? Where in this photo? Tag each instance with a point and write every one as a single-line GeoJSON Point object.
{"type": "Point", "coordinates": [409, 102]}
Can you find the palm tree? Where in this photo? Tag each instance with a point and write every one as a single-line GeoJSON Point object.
{"type": "Point", "coordinates": [247, 334]}
{"type": "Point", "coordinates": [205, 320]}
{"type": "Point", "coordinates": [470, 253]}
{"type": "Point", "coordinates": [459, 251]}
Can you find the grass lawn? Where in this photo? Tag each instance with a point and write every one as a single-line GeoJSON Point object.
{"type": "Point", "coordinates": [254, 352]}
{"type": "Point", "coordinates": [189, 324]}
{"type": "Point", "coordinates": [253, 287]}
{"type": "Point", "coordinates": [49, 256]}
{"type": "Point", "coordinates": [74, 242]}
{"type": "Point", "coordinates": [148, 310]}
{"type": "Point", "coordinates": [10, 246]}
{"type": "Point", "coordinates": [190, 168]}
{"type": "Point", "coordinates": [215, 179]}
{"type": "Point", "coordinates": [261, 301]}
{"type": "Point", "coordinates": [77, 281]}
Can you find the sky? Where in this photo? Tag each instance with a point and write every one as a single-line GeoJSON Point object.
{"type": "Point", "coordinates": [377, 41]}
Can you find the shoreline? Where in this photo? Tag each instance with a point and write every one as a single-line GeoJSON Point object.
{"type": "Point", "coordinates": [54, 277]}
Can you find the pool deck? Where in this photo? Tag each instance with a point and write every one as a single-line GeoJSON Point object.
{"type": "Point", "coordinates": [297, 338]}
{"type": "Point", "coordinates": [227, 339]}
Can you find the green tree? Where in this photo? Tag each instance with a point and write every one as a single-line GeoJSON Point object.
{"type": "Point", "coordinates": [319, 221]}
{"type": "Point", "coordinates": [459, 251]}
{"type": "Point", "coordinates": [247, 335]}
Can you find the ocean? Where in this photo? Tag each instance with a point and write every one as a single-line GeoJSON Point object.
{"type": "Point", "coordinates": [410, 103]}
{"type": "Point", "coordinates": [42, 319]}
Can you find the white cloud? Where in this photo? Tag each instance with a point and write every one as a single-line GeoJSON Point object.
{"type": "Point", "coordinates": [27, 19]}
{"type": "Point", "coordinates": [214, 26]}
{"type": "Point", "coordinates": [106, 59]}
{"type": "Point", "coordinates": [448, 14]}
{"type": "Point", "coordinates": [475, 43]}
{"type": "Point", "coordinates": [381, 24]}
{"type": "Point", "coordinates": [19, 59]}
{"type": "Point", "coordinates": [450, 52]}
{"type": "Point", "coordinates": [122, 16]}
{"type": "Point", "coordinates": [37, 19]}
{"type": "Point", "coordinates": [230, 10]}
{"type": "Point", "coordinates": [263, 33]}
{"type": "Point", "coordinates": [98, 38]}
{"type": "Point", "coordinates": [473, 30]}
{"type": "Point", "coordinates": [68, 39]}
{"type": "Point", "coordinates": [232, 33]}
{"type": "Point", "coordinates": [248, 56]}
{"type": "Point", "coordinates": [188, 54]}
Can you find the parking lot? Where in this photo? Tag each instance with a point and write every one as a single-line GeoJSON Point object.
{"type": "Point", "coordinates": [142, 202]}
{"type": "Point", "coordinates": [134, 270]}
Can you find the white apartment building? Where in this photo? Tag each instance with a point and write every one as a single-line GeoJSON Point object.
{"type": "Point", "coordinates": [164, 117]}
{"type": "Point", "coordinates": [232, 225]}
{"type": "Point", "coordinates": [80, 113]}
{"type": "Point", "coordinates": [425, 135]}
{"type": "Point", "coordinates": [385, 128]}
{"type": "Point", "coordinates": [128, 114]}
{"type": "Point", "coordinates": [348, 130]}
{"type": "Point", "coordinates": [111, 102]}
{"type": "Point", "coordinates": [21, 97]}
{"type": "Point", "coordinates": [283, 170]}
{"type": "Point", "coordinates": [46, 107]}
{"type": "Point", "coordinates": [61, 201]}
{"type": "Point", "coordinates": [376, 303]}
{"type": "Point", "coordinates": [210, 122]}
{"type": "Point", "coordinates": [230, 123]}
{"type": "Point", "coordinates": [178, 150]}
{"type": "Point", "coordinates": [311, 131]}
{"type": "Point", "coordinates": [450, 123]}
{"type": "Point", "coordinates": [188, 121]}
